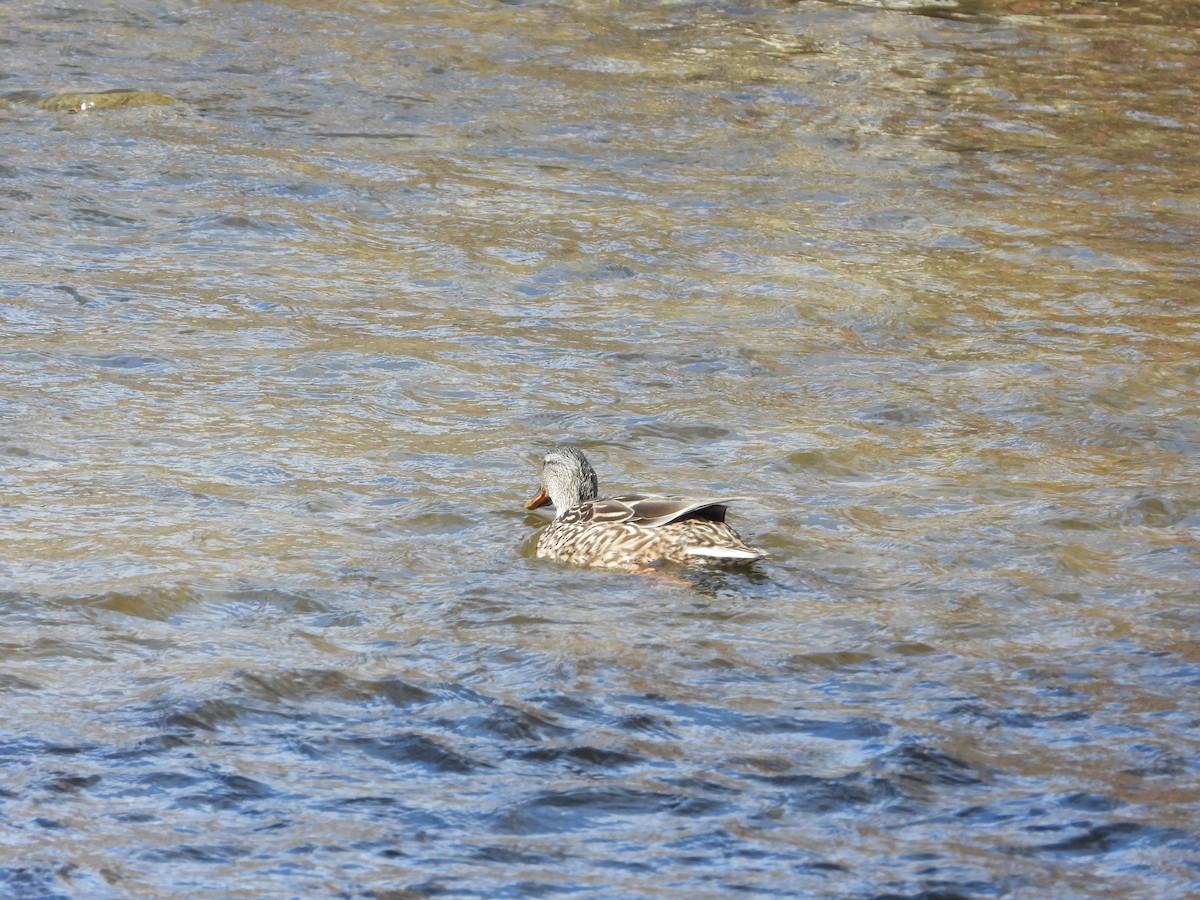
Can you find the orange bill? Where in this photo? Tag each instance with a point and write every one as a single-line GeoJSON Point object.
{"type": "Point", "coordinates": [542, 499]}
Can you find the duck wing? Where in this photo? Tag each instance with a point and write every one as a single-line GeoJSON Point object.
{"type": "Point", "coordinates": [651, 510]}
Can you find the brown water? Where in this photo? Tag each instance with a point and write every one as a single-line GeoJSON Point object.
{"type": "Point", "coordinates": [278, 360]}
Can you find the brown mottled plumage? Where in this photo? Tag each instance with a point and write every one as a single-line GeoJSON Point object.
{"type": "Point", "coordinates": [633, 530]}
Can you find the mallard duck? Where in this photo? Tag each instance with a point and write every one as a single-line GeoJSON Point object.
{"type": "Point", "coordinates": [632, 531]}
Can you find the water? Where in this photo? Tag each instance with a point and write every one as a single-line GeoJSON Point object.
{"type": "Point", "coordinates": [279, 359]}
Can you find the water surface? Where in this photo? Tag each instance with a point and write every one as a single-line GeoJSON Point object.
{"type": "Point", "coordinates": [279, 358]}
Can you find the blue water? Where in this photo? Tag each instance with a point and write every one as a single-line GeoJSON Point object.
{"type": "Point", "coordinates": [279, 360]}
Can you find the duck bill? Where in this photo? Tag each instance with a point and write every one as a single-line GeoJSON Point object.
{"type": "Point", "coordinates": [542, 499]}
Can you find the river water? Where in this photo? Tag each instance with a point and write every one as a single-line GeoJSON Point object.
{"type": "Point", "coordinates": [279, 359]}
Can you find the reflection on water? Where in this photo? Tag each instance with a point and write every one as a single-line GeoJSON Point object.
{"type": "Point", "coordinates": [280, 358]}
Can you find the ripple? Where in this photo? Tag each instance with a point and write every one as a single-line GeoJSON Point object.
{"type": "Point", "coordinates": [917, 764]}
{"type": "Point", "coordinates": [223, 791]}
{"type": "Point", "coordinates": [417, 750]}
{"type": "Point", "coordinates": [571, 810]}
{"type": "Point", "coordinates": [1101, 839]}
{"type": "Point", "coordinates": [581, 758]}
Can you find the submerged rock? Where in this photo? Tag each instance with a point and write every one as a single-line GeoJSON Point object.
{"type": "Point", "coordinates": [82, 101]}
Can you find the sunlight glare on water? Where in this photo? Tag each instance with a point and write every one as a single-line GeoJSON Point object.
{"type": "Point", "coordinates": [294, 297]}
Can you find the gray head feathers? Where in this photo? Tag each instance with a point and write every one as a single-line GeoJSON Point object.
{"type": "Point", "coordinates": [568, 478]}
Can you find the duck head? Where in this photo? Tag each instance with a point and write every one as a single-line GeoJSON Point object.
{"type": "Point", "coordinates": [568, 479]}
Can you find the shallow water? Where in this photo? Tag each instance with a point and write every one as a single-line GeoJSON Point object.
{"type": "Point", "coordinates": [279, 359]}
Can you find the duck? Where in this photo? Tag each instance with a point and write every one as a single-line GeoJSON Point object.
{"type": "Point", "coordinates": [631, 531]}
